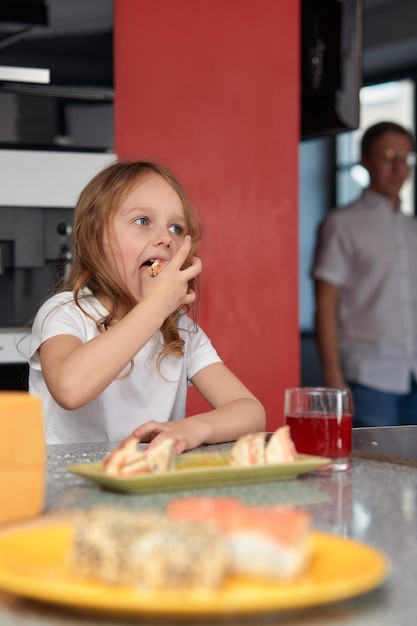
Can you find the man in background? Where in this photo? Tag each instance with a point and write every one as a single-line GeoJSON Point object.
{"type": "Point", "coordinates": [365, 273]}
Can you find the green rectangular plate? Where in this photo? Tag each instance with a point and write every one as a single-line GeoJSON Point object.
{"type": "Point", "coordinates": [197, 471]}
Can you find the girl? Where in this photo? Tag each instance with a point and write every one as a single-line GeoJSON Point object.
{"type": "Point", "coordinates": [113, 353]}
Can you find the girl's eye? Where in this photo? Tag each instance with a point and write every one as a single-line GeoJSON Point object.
{"type": "Point", "coordinates": [142, 221]}
{"type": "Point", "coordinates": [176, 229]}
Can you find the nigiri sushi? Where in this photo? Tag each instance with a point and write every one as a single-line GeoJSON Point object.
{"type": "Point", "coordinates": [273, 541]}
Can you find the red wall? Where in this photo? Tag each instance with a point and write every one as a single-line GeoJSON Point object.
{"type": "Point", "coordinates": [211, 89]}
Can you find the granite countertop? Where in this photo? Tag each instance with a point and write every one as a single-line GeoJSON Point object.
{"type": "Point", "coordinates": [374, 502]}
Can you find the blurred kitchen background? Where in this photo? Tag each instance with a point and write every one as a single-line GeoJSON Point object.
{"type": "Point", "coordinates": [54, 136]}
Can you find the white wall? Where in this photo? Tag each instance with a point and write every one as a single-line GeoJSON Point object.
{"type": "Point", "coordinates": [47, 178]}
{"type": "Point", "coordinates": [43, 179]}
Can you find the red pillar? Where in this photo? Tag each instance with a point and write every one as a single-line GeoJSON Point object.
{"type": "Point", "coordinates": [211, 89]}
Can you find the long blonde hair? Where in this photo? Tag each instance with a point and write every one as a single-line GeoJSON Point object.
{"type": "Point", "coordinates": [94, 210]}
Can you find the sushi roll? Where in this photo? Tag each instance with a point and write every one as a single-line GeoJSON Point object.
{"type": "Point", "coordinates": [248, 450]}
{"type": "Point", "coordinates": [147, 550]}
{"type": "Point", "coordinates": [280, 447]}
{"type": "Point", "coordinates": [128, 460]}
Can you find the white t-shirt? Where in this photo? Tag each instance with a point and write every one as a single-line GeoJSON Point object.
{"type": "Point", "coordinates": [143, 395]}
{"type": "Point", "coordinates": [370, 252]}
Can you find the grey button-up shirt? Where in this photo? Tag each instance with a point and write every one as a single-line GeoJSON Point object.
{"type": "Point", "coordinates": [370, 252]}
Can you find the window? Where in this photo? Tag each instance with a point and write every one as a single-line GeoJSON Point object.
{"type": "Point", "coordinates": [393, 101]}
{"type": "Point", "coordinates": [390, 100]}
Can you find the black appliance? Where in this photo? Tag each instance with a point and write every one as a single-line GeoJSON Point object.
{"type": "Point", "coordinates": [331, 66]}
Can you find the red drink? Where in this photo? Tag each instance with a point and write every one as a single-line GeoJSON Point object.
{"type": "Point", "coordinates": [322, 435]}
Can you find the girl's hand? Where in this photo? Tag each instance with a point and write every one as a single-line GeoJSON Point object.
{"type": "Point", "coordinates": [186, 435]}
{"type": "Point", "coordinates": [170, 286]}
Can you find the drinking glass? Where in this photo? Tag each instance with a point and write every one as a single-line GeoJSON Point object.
{"type": "Point", "coordinates": [320, 421]}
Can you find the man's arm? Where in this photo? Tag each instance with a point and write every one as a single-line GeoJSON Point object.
{"type": "Point", "coordinates": [327, 296]}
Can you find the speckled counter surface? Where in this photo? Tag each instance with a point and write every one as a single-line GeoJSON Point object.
{"type": "Point", "coordinates": [375, 502]}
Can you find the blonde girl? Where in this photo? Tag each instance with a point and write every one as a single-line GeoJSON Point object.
{"type": "Point", "coordinates": [113, 352]}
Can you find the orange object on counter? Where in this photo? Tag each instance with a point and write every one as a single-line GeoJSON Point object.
{"type": "Point", "coordinates": [22, 456]}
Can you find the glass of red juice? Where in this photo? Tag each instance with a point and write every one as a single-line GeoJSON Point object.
{"type": "Point", "coordinates": [320, 421]}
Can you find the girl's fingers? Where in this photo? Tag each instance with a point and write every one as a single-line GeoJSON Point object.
{"type": "Point", "coordinates": [153, 432]}
{"type": "Point", "coordinates": [183, 252]}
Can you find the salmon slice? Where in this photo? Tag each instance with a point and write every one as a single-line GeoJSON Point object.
{"type": "Point", "coordinates": [200, 508]}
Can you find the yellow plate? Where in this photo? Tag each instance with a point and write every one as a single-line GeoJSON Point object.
{"type": "Point", "coordinates": [33, 565]}
{"type": "Point", "coordinates": [199, 470]}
